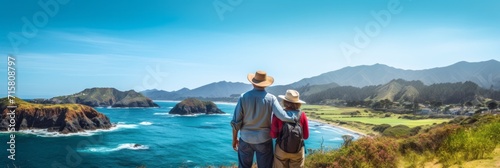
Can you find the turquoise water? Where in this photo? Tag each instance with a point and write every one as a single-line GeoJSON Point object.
{"type": "Point", "coordinates": [166, 141]}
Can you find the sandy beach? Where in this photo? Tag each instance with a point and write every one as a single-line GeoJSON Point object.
{"type": "Point", "coordinates": [338, 126]}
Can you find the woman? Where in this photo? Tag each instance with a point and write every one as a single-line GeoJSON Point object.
{"type": "Point", "coordinates": [292, 104]}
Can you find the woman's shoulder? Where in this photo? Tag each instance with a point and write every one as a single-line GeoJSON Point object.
{"type": "Point", "coordinates": [303, 114]}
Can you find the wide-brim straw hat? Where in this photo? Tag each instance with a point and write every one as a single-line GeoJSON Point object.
{"type": "Point", "coordinates": [260, 79]}
{"type": "Point", "coordinates": [292, 96]}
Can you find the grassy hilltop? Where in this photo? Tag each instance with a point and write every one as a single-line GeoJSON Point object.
{"type": "Point", "coordinates": [463, 141]}
{"type": "Point", "coordinates": [103, 97]}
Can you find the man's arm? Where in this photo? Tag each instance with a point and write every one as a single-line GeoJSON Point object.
{"type": "Point", "coordinates": [235, 140]}
{"type": "Point", "coordinates": [236, 123]}
{"type": "Point", "coordinates": [280, 113]}
{"type": "Point", "coordinates": [237, 120]}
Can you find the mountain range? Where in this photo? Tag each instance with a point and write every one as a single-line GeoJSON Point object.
{"type": "Point", "coordinates": [485, 74]}
{"type": "Point", "coordinates": [400, 90]}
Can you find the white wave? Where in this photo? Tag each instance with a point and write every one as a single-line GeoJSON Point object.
{"type": "Point", "coordinates": [336, 139]}
{"type": "Point", "coordinates": [161, 114]}
{"type": "Point", "coordinates": [190, 115]}
{"type": "Point", "coordinates": [121, 108]}
{"type": "Point", "coordinates": [225, 103]}
{"type": "Point", "coordinates": [129, 146]}
{"type": "Point", "coordinates": [45, 133]}
{"type": "Point", "coordinates": [167, 101]}
{"type": "Point", "coordinates": [146, 123]}
{"type": "Point", "coordinates": [317, 132]}
{"type": "Point", "coordinates": [225, 114]}
{"type": "Point", "coordinates": [123, 125]}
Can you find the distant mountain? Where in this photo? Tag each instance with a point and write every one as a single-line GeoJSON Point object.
{"type": "Point", "coordinates": [486, 74]}
{"type": "Point", "coordinates": [213, 90]}
{"type": "Point", "coordinates": [228, 89]}
{"type": "Point", "coordinates": [407, 91]}
{"type": "Point", "coordinates": [104, 97]}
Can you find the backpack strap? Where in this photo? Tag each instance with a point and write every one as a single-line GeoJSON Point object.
{"type": "Point", "coordinates": [299, 114]}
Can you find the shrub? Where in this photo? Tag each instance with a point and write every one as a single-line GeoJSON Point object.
{"type": "Point", "coordinates": [397, 131]}
{"type": "Point", "coordinates": [415, 130]}
{"type": "Point", "coordinates": [428, 141]}
{"type": "Point", "coordinates": [381, 128]}
{"type": "Point", "coordinates": [364, 152]}
{"type": "Point", "coordinates": [470, 144]}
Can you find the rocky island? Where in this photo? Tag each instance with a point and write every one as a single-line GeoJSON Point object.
{"type": "Point", "coordinates": [105, 97]}
{"type": "Point", "coordinates": [62, 118]}
{"type": "Point", "coordinates": [192, 106]}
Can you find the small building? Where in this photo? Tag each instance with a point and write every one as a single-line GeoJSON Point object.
{"type": "Point", "coordinates": [425, 111]}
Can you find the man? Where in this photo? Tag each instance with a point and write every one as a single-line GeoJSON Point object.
{"type": "Point", "coordinates": [252, 118]}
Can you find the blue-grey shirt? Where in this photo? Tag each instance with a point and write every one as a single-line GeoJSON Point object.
{"type": "Point", "coordinates": [252, 115]}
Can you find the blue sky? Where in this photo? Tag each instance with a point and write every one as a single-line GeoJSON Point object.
{"type": "Point", "coordinates": [169, 45]}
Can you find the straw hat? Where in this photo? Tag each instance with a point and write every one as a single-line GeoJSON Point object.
{"type": "Point", "coordinates": [260, 79]}
{"type": "Point", "coordinates": [292, 96]}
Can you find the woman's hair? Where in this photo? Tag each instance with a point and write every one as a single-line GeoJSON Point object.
{"type": "Point", "coordinates": [291, 106]}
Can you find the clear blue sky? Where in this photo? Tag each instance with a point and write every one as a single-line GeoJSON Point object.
{"type": "Point", "coordinates": [95, 43]}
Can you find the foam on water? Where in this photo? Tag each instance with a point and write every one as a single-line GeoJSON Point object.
{"type": "Point", "coordinates": [167, 101]}
{"type": "Point", "coordinates": [146, 123]}
{"type": "Point", "coordinates": [336, 139]}
{"type": "Point", "coordinates": [225, 103]}
{"type": "Point", "coordinates": [129, 146]}
{"type": "Point", "coordinates": [45, 133]}
{"type": "Point", "coordinates": [161, 114]}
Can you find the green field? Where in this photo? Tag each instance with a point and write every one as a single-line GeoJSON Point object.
{"type": "Point", "coordinates": [391, 121]}
{"type": "Point", "coordinates": [363, 115]}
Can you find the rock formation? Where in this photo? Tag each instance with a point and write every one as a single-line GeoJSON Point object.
{"type": "Point", "coordinates": [62, 118]}
{"type": "Point", "coordinates": [194, 106]}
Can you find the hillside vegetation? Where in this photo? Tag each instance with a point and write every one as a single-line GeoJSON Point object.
{"type": "Point", "coordinates": [399, 90]}
{"type": "Point", "coordinates": [456, 142]}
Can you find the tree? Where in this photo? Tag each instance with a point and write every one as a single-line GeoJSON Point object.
{"type": "Point", "coordinates": [492, 105]}
{"type": "Point", "coordinates": [469, 104]}
{"type": "Point", "coordinates": [381, 128]}
{"type": "Point", "coordinates": [347, 140]}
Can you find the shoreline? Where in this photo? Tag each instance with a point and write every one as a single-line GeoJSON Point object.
{"type": "Point", "coordinates": [338, 126]}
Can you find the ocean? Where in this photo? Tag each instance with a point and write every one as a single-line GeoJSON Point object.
{"type": "Point", "coordinates": [147, 137]}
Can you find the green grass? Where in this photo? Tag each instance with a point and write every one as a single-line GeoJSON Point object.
{"type": "Point", "coordinates": [391, 121]}
{"type": "Point", "coordinates": [464, 142]}
{"type": "Point", "coordinates": [366, 116]}
{"type": "Point", "coordinates": [330, 110]}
